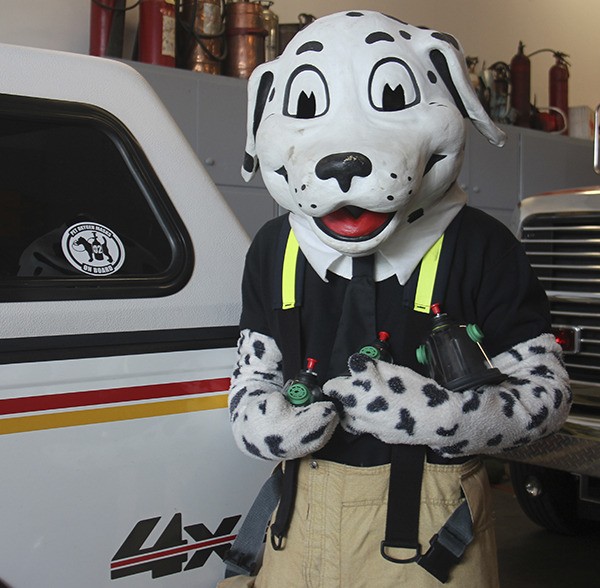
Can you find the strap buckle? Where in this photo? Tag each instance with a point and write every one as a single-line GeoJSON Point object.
{"type": "Point", "coordinates": [277, 541]}
{"type": "Point", "coordinates": [393, 544]}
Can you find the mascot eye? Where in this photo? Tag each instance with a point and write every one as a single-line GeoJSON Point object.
{"type": "Point", "coordinates": [306, 94]}
{"type": "Point", "coordinates": [392, 86]}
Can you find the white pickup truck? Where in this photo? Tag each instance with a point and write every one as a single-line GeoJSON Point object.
{"type": "Point", "coordinates": [120, 271]}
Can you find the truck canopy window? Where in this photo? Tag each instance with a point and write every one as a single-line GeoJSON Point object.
{"type": "Point", "coordinates": [82, 214]}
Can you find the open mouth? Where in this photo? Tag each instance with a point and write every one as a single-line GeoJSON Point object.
{"type": "Point", "coordinates": [352, 223]}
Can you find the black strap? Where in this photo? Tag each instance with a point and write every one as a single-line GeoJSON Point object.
{"type": "Point", "coordinates": [283, 517]}
{"type": "Point", "coordinates": [404, 501]}
{"type": "Point", "coordinates": [449, 545]}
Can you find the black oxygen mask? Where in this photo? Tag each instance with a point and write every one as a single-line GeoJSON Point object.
{"type": "Point", "coordinates": [454, 355]}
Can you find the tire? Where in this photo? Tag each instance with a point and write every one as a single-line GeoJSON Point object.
{"type": "Point", "coordinates": [554, 507]}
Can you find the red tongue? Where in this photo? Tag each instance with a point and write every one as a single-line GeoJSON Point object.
{"type": "Point", "coordinates": [343, 223]}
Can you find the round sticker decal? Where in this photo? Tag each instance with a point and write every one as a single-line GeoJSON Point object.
{"type": "Point", "coordinates": [93, 249]}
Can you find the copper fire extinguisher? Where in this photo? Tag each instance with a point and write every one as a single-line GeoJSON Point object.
{"type": "Point", "coordinates": [245, 34]}
{"type": "Point", "coordinates": [520, 79]}
{"type": "Point", "coordinates": [156, 40]}
{"type": "Point", "coordinates": [107, 22]}
{"type": "Point", "coordinates": [202, 46]}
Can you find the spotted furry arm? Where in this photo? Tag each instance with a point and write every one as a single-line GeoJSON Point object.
{"type": "Point", "coordinates": [265, 425]}
{"type": "Point", "coordinates": [397, 405]}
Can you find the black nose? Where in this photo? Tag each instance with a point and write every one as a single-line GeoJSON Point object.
{"type": "Point", "coordinates": [343, 167]}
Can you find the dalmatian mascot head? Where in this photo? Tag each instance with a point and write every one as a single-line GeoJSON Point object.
{"type": "Point", "coordinates": [359, 126]}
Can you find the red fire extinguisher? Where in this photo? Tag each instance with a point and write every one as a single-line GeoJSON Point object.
{"type": "Point", "coordinates": [520, 78]}
{"type": "Point", "coordinates": [559, 85]}
{"type": "Point", "coordinates": [107, 20]}
{"type": "Point", "coordinates": [156, 41]}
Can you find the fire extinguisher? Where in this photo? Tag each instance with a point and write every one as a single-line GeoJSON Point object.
{"type": "Point", "coordinates": [107, 23]}
{"type": "Point", "coordinates": [156, 35]}
{"type": "Point", "coordinates": [520, 78]}
{"type": "Point", "coordinates": [559, 85]}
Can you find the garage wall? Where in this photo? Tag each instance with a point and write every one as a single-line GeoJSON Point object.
{"type": "Point", "coordinates": [487, 29]}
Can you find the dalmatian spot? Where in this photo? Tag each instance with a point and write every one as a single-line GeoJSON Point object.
{"type": "Point", "coordinates": [435, 158]}
{"type": "Point", "coordinates": [518, 381]}
{"type": "Point", "coordinates": [543, 371]}
{"type": "Point", "coordinates": [494, 441]}
{"type": "Point", "coordinates": [406, 35]}
{"type": "Point", "coordinates": [521, 441]}
{"type": "Point", "coordinates": [266, 375]}
{"type": "Point", "coordinates": [435, 394]}
{"type": "Point", "coordinates": [538, 350]}
{"type": "Point", "coordinates": [538, 418]}
{"type": "Point", "coordinates": [379, 36]}
{"type": "Point", "coordinates": [283, 172]}
{"type": "Point", "coordinates": [236, 398]}
{"type": "Point", "coordinates": [263, 407]}
{"type": "Point", "coordinates": [346, 401]}
{"type": "Point", "coordinates": [415, 215]}
{"type": "Point", "coordinates": [327, 411]}
{"type": "Point", "coordinates": [516, 354]}
{"type": "Point", "coordinates": [315, 46]}
{"type": "Point", "coordinates": [364, 384]}
{"type": "Point", "coordinates": [472, 404]}
{"type": "Point", "coordinates": [259, 349]}
{"type": "Point", "coordinates": [313, 436]}
{"type": "Point", "coordinates": [509, 404]}
{"type": "Point", "coordinates": [455, 449]}
{"type": "Point", "coordinates": [274, 444]}
{"type": "Point", "coordinates": [378, 405]}
{"type": "Point", "coordinates": [432, 77]}
{"type": "Point", "coordinates": [251, 448]}
{"type": "Point", "coordinates": [447, 432]}
{"type": "Point", "coordinates": [236, 372]}
{"type": "Point", "coordinates": [359, 362]}
{"type": "Point", "coordinates": [257, 392]}
{"type": "Point", "coordinates": [354, 14]}
{"type": "Point", "coordinates": [407, 422]}
{"type": "Point", "coordinates": [396, 385]}
{"type": "Point", "coordinates": [448, 38]}
{"type": "Point", "coordinates": [247, 359]}
{"type": "Point", "coordinates": [538, 391]}
{"type": "Point", "coordinates": [558, 398]}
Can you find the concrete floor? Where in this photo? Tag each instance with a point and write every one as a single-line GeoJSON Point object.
{"type": "Point", "coordinates": [531, 557]}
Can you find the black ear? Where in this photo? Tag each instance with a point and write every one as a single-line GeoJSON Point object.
{"type": "Point", "coordinates": [258, 94]}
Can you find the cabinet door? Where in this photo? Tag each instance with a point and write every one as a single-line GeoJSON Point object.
{"type": "Point", "coordinates": [492, 179]}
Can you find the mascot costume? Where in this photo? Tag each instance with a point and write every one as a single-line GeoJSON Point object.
{"type": "Point", "coordinates": [359, 132]}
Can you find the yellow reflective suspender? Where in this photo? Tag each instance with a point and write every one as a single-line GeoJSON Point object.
{"type": "Point", "coordinates": [427, 273]}
{"type": "Point", "coordinates": [288, 276]}
{"type": "Point", "coordinates": [425, 283]}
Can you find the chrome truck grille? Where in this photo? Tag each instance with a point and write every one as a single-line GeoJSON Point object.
{"type": "Point", "coordinates": [564, 251]}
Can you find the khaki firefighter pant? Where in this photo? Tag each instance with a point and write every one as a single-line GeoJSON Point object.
{"type": "Point", "coordinates": [339, 522]}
